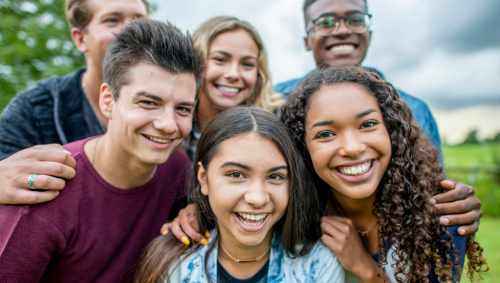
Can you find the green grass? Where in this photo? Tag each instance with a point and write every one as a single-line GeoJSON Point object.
{"type": "Point", "coordinates": [487, 185]}
{"type": "Point", "coordinates": [488, 237]}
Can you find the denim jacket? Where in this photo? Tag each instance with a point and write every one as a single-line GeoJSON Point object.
{"type": "Point", "coordinates": [319, 265]}
{"type": "Point", "coordinates": [420, 110]}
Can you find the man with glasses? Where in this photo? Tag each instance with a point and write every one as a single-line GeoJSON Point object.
{"type": "Point", "coordinates": [338, 33]}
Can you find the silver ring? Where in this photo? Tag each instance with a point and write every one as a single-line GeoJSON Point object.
{"type": "Point", "coordinates": [31, 181]}
{"type": "Point", "coordinates": [190, 213]}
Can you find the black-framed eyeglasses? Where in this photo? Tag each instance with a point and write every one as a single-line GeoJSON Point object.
{"type": "Point", "coordinates": [328, 24]}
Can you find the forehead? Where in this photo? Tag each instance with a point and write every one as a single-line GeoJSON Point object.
{"type": "Point", "coordinates": [338, 7]}
{"type": "Point", "coordinates": [128, 7]}
{"type": "Point", "coordinates": [152, 79]}
{"type": "Point", "coordinates": [236, 41]}
{"type": "Point", "coordinates": [339, 101]}
{"type": "Point", "coordinates": [250, 149]}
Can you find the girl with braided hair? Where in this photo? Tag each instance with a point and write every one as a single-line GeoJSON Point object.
{"type": "Point", "coordinates": [376, 173]}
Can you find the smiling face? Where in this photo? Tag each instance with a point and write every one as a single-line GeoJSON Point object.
{"type": "Point", "coordinates": [152, 115]}
{"type": "Point", "coordinates": [231, 70]}
{"type": "Point", "coordinates": [343, 47]}
{"type": "Point", "coordinates": [247, 187]}
{"type": "Point", "coordinates": [109, 17]}
{"type": "Point", "coordinates": [348, 142]}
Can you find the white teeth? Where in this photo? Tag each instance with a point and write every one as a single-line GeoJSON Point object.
{"type": "Point", "coordinates": [158, 140]}
{"type": "Point", "coordinates": [246, 216]}
{"type": "Point", "coordinates": [229, 89]}
{"type": "Point", "coordinates": [344, 47]}
{"type": "Point", "coordinates": [356, 170]}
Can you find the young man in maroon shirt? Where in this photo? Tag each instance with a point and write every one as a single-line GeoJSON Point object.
{"type": "Point", "coordinates": [128, 181]}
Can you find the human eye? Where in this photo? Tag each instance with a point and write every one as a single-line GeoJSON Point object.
{"type": "Point", "coordinates": [235, 175]}
{"type": "Point", "coordinates": [249, 64]}
{"type": "Point", "coordinates": [147, 103]}
{"type": "Point", "coordinates": [220, 59]}
{"type": "Point", "coordinates": [369, 124]}
{"type": "Point", "coordinates": [326, 21]}
{"type": "Point", "coordinates": [276, 176]}
{"type": "Point", "coordinates": [184, 110]}
{"type": "Point", "coordinates": [325, 134]}
{"type": "Point", "coordinates": [111, 20]}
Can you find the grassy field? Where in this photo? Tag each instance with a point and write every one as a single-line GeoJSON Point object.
{"type": "Point", "coordinates": [461, 162]}
{"type": "Point", "coordinates": [488, 238]}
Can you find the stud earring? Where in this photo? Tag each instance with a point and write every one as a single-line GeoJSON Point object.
{"type": "Point", "coordinates": [107, 113]}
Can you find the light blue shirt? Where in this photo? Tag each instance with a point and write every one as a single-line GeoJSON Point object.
{"type": "Point", "coordinates": [319, 265]}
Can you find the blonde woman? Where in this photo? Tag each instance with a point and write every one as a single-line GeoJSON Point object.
{"type": "Point", "coordinates": [237, 73]}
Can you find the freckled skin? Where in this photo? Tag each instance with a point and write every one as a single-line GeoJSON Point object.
{"type": "Point", "coordinates": [348, 139]}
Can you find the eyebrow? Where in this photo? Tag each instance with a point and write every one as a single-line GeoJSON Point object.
{"type": "Point", "coordinates": [229, 54]}
{"type": "Point", "coordinates": [365, 113]}
{"type": "Point", "coordinates": [335, 14]}
{"type": "Point", "coordinates": [277, 168]}
{"type": "Point", "coordinates": [187, 103]}
{"type": "Point", "coordinates": [236, 164]}
{"type": "Point", "coordinates": [323, 123]}
{"type": "Point", "coordinates": [149, 95]}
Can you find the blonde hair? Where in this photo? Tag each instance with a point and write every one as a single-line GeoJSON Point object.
{"type": "Point", "coordinates": [263, 93]}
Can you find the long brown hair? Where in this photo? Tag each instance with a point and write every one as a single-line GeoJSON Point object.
{"type": "Point", "coordinates": [298, 227]}
{"type": "Point", "coordinates": [403, 209]}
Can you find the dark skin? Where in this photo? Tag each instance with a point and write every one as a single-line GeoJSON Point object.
{"type": "Point", "coordinates": [458, 206]}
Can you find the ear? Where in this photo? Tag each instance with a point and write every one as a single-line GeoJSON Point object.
{"type": "Point", "coordinates": [78, 37]}
{"type": "Point", "coordinates": [306, 43]}
{"type": "Point", "coordinates": [106, 101]}
{"type": "Point", "coordinates": [202, 178]}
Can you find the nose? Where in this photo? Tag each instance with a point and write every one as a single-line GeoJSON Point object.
{"type": "Point", "coordinates": [257, 196]}
{"type": "Point", "coordinates": [166, 122]}
{"type": "Point", "coordinates": [351, 145]}
{"type": "Point", "coordinates": [342, 30]}
{"type": "Point", "coordinates": [232, 72]}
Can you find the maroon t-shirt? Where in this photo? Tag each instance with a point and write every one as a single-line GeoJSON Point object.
{"type": "Point", "coordinates": [91, 232]}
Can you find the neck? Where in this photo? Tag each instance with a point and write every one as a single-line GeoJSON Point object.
{"type": "Point", "coordinates": [91, 83]}
{"type": "Point", "coordinates": [116, 166]}
{"type": "Point", "coordinates": [205, 111]}
{"type": "Point", "coordinates": [243, 270]}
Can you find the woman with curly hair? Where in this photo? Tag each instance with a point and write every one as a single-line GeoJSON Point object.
{"type": "Point", "coordinates": [376, 173]}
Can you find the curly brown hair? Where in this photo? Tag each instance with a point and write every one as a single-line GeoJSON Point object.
{"type": "Point", "coordinates": [403, 209]}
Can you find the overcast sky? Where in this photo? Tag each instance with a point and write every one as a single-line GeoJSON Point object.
{"type": "Point", "coordinates": [445, 52]}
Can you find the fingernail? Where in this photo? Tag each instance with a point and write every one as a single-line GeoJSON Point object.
{"type": "Point", "coordinates": [207, 235]}
{"type": "Point", "coordinates": [185, 240]}
{"type": "Point", "coordinates": [57, 193]}
{"type": "Point", "coordinates": [461, 231]}
{"type": "Point", "coordinates": [67, 152]}
{"type": "Point", "coordinates": [164, 232]}
{"type": "Point", "coordinates": [433, 201]}
{"type": "Point", "coordinates": [204, 242]}
{"type": "Point", "coordinates": [444, 221]}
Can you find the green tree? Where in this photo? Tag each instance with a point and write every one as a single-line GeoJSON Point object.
{"type": "Point", "coordinates": [471, 138]}
{"type": "Point", "coordinates": [35, 43]}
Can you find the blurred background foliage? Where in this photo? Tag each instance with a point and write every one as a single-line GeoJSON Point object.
{"type": "Point", "coordinates": [35, 43]}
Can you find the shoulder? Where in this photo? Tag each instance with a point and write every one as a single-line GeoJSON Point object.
{"type": "Point", "coordinates": [76, 147]}
{"type": "Point", "coordinates": [319, 265]}
{"type": "Point", "coordinates": [415, 104]}
{"type": "Point", "coordinates": [192, 267]}
{"type": "Point", "coordinates": [289, 86]}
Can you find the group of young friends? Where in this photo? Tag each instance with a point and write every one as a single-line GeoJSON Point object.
{"type": "Point", "coordinates": [334, 177]}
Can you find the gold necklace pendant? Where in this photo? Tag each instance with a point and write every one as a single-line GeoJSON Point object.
{"type": "Point", "coordinates": [251, 260]}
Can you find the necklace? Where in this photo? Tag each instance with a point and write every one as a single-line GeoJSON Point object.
{"type": "Point", "coordinates": [365, 233]}
{"type": "Point", "coordinates": [251, 260]}
{"type": "Point", "coordinates": [95, 146]}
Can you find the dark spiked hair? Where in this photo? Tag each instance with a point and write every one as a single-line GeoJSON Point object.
{"type": "Point", "coordinates": [152, 42]}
